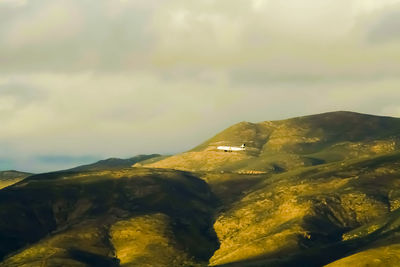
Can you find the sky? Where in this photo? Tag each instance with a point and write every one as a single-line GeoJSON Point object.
{"type": "Point", "coordinates": [82, 80]}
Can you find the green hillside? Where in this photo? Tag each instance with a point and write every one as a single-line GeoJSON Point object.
{"type": "Point", "coordinates": [310, 191]}
{"type": "Point", "coordinates": [275, 146]}
{"type": "Point", "coordinates": [11, 177]}
{"type": "Point", "coordinates": [313, 210]}
{"type": "Point", "coordinates": [93, 217]}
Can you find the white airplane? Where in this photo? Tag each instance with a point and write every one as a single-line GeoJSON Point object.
{"type": "Point", "coordinates": [232, 148]}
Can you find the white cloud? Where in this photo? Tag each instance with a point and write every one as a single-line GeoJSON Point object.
{"type": "Point", "coordinates": [7, 104]}
{"type": "Point", "coordinates": [116, 78]}
{"type": "Point", "coordinates": [258, 5]}
{"type": "Point", "coordinates": [124, 108]}
{"type": "Point", "coordinates": [56, 22]}
{"type": "Point", "coordinates": [368, 6]}
{"type": "Point", "coordinates": [13, 3]}
{"type": "Point", "coordinates": [114, 35]}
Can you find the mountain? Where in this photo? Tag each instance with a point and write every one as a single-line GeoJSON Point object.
{"type": "Point", "coordinates": [11, 177]}
{"type": "Point", "coordinates": [115, 163]}
{"type": "Point", "coordinates": [275, 146]}
{"type": "Point", "coordinates": [309, 191]}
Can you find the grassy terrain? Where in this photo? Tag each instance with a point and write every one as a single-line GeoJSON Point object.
{"type": "Point", "coordinates": [85, 217]}
{"type": "Point", "coordinates": [290, 214]}
{"type": "Point", "coordinates": [274, 146]}
{"type": "Point", "coordinates": [11, 177]}
{"type": "Point", "coordinates": [310, 191]}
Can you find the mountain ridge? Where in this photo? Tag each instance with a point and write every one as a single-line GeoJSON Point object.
{"type": "Point", "coordinates": [310, 191]}
{"type": "Point", "coordinates": [114, 163]}
{"type": "Point", "coordinates": [304, 140]}
{"type": "Point", "coordinates": [10, 177]}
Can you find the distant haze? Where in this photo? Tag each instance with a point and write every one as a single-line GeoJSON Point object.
{"type": "Point", "coordinates": [85, 80]}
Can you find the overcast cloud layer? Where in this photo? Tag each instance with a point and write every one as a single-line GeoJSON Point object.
{"type": "Point", "coordinates": [82, 80]}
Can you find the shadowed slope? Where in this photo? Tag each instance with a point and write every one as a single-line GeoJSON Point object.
{"type": "Point", "coordinates": [86, 218]}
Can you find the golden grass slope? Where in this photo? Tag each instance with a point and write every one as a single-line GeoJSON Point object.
{"type": "Point", "coordinates": [8, 178]}
{"type": "Point", "coordinates": [147, 240]}
{"type": "Point", "coordinates": [383, 256]}
{"type": "Point", "coordinates": [288, 144]}
{"type": "Point", "coordinates": [306, 208]}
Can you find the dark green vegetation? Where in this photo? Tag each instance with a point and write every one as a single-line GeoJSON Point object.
{"type": "Point", "coordinates": [309, 191]}
{"type": "Point", "coordinates": [76, 217]}
{"type": "Point", "coordinates": [11, 177]}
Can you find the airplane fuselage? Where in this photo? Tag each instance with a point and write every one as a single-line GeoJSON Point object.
{"type": "Point", "coordinates": [231, 148]}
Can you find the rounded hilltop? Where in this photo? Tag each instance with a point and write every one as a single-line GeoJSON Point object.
{"type": "Point", "coordinates": [286, 144]}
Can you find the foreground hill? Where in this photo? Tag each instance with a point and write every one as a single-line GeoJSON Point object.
{"type": "Point", "coordinates": [314, 215]}
{"type": "Point", "coordinates": [11, 177]}
{"type": "Point", "coordinates": [310, 191]}
{"type": "Point", "coordinates": [130, 216]}
{"type": "Point", "coordinates": [276, 146]}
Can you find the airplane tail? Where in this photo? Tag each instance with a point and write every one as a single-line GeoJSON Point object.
{"type": "Point", "coordinates": [243, 146]}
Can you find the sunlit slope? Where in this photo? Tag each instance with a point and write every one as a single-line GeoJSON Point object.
{"type": "Point", "coordinates": [276, 146]}
{"type": "Point", "coordinates": [309, 191]}
{"type": "Point", "coordinates": [381, 246]}
{"type": "Point", "coordinates": [132, 217]}
{"type": "Point", "coordinates": [308, 216]}
{"type": "Point", "coordinates": [11, 177]}
{"type": "Point", "coordinates": [311, 216]}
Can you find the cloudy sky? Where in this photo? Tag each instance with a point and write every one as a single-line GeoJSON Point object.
{"type": "Point", "coordinates": [82, 80]}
